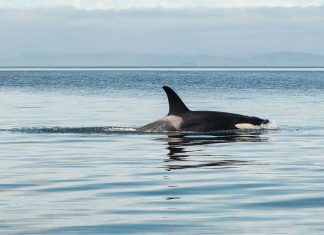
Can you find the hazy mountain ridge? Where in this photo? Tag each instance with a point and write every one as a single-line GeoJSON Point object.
{"type": "Point", "coordinates": [146, 59]}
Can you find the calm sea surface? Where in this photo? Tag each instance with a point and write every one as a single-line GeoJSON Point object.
{"type": "Point", "coordinates": [66, 169]}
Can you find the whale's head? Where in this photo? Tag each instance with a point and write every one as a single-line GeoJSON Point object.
{"type": "Point", "coordinates": [258, 121]}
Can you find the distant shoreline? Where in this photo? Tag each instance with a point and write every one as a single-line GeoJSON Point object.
{"type": "Point", "coordinates": [161, 68]}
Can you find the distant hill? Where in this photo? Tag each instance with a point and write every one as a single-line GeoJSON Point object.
{"type": "Point", "coordinates": [145, 59]}
{"type": "Point", "coordinates": [287, 59]}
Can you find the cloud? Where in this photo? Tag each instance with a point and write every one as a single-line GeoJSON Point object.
{"type": "Point", "coordinates": [126, 4]}
{"type": "Point", "coordinates": [195, 31]}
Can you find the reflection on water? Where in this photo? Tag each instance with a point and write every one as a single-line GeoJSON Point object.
{"type": "Point", "coordinates": [178, 145]}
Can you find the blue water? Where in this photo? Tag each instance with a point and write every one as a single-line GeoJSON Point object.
{"type": "Point", "coordinates": [64, 169]}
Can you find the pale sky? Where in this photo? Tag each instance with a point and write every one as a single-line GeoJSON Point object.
{"type": "Point", "coordinates": [125, 4]}
{"type": "Point", "coordinates": [166, 27]}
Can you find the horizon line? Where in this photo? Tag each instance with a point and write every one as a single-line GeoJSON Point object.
{"type": "Point", "coordinates": [161, 68]}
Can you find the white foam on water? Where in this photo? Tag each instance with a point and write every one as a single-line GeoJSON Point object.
{"type": "Point", "coordinates": [72, 130]}
{"type": "Point", "coordinates": [270, 126]}
{"type": "Point", "coordinates": [115, 128]}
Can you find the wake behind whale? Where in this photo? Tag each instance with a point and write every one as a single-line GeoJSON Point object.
{"type": "Point", "coordinates": [74, 130]}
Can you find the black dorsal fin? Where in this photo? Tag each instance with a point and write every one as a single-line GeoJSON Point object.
{"type": "Point", "coordinates": [176, 106]}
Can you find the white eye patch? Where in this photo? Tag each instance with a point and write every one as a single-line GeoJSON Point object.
{"type": "Point", "coordinates": [268, 126]}
{"type": "Point", "coordinates": [245, 126]}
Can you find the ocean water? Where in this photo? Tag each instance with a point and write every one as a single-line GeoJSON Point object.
{"type": "Point", "coordinates": [71, 162]}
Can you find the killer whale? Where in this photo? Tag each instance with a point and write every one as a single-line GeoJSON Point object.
{"type": "Point", "coordinates": [181, 118]}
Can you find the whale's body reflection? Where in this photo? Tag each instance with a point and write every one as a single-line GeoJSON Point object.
{"type": "Point", "coordinates": [180, 149]}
